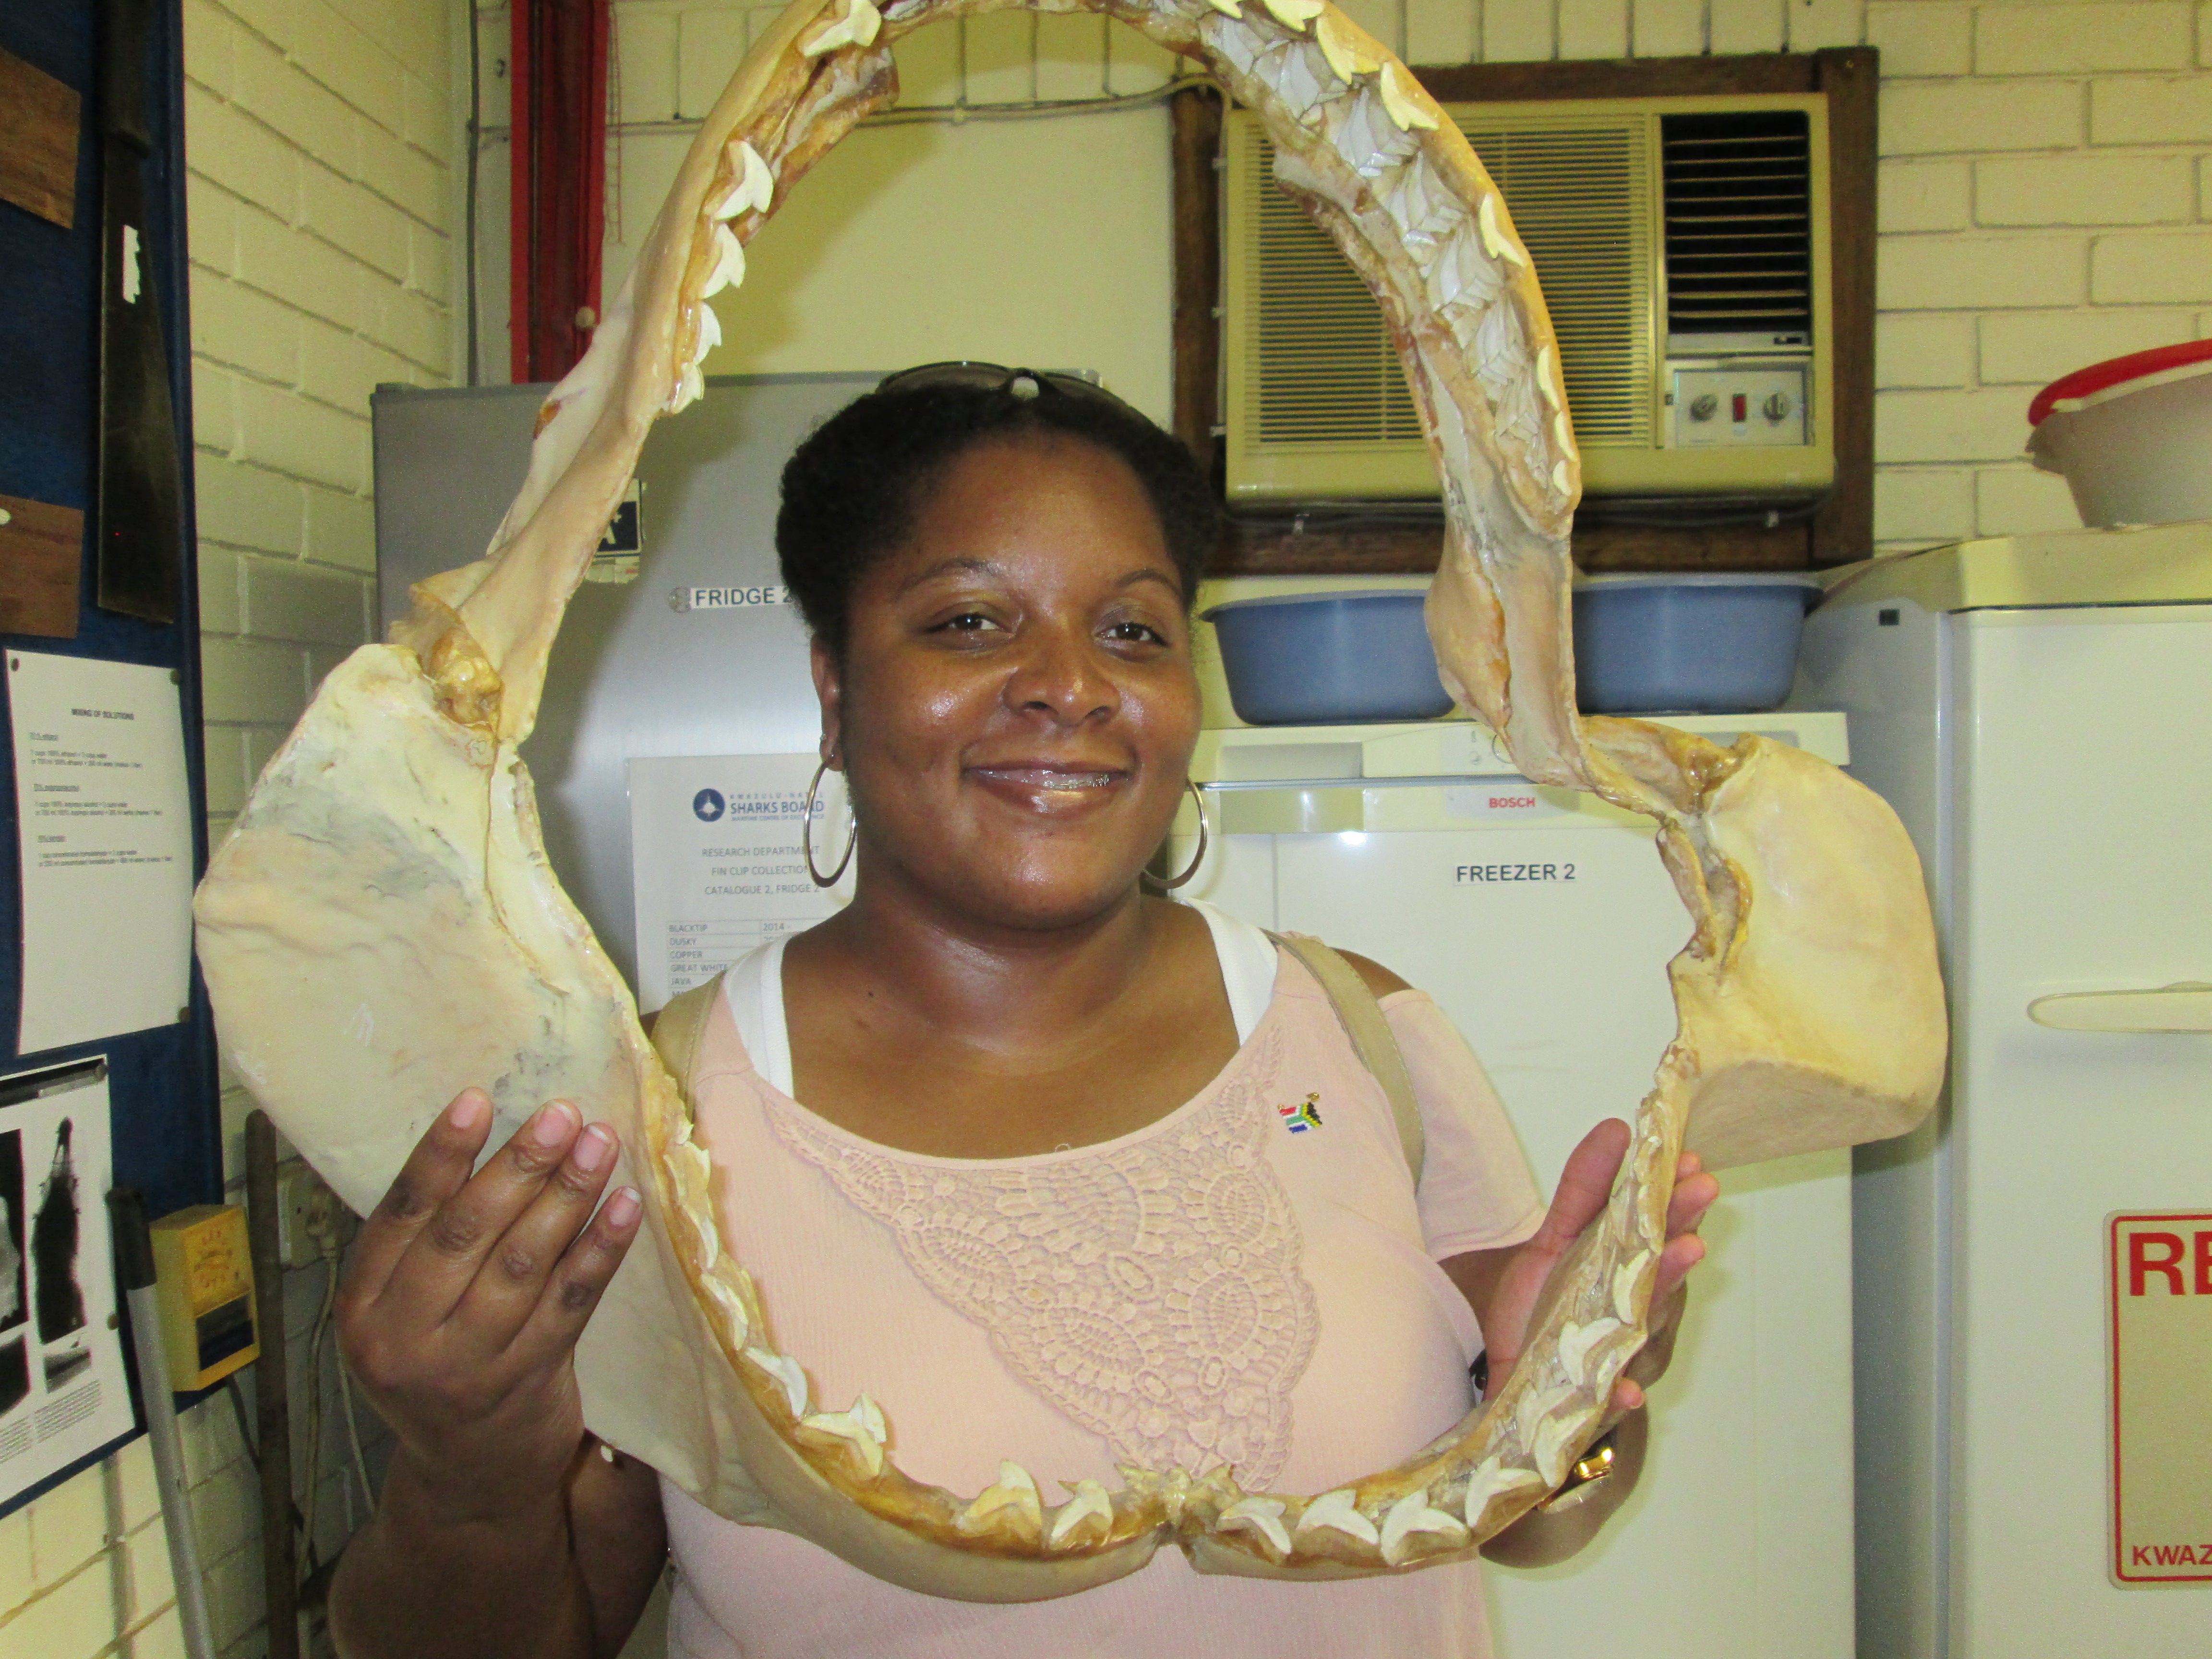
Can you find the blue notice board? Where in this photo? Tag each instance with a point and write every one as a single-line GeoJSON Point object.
{"type": "Point", "coordinates": [165, 1123]}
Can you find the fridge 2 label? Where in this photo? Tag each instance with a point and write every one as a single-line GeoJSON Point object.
{"type": "Point", "coordinates": [2159, 1289]}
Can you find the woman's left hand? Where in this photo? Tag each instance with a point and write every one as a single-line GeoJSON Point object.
{"type": "Point", "coordinates": [1504, 1285]}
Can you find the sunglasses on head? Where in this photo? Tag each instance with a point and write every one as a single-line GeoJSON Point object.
{"type": "Point", "coordinates": [1023, 383]}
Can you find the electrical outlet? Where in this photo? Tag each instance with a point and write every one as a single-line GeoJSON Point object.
{"type": "Point", "coordinates": [307, 1211]}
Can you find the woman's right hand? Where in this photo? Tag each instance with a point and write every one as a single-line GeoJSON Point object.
{"type": "Point", "coordinates": [460, 1313]}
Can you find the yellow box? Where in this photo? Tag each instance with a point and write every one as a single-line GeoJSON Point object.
{"type": "Point", "coordinates": [203, 1280]}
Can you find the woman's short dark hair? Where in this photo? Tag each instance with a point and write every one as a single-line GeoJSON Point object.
{"type": "Point", "coordinates": [851, 489]}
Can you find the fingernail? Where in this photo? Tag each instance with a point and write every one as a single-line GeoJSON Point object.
{"type": "Point", "coordinates": [622, 1208]}
{"type": "Point", "coordinates": [553, 1124]}
{"type": "Point", "coordinates": [467, 1110]}
{"type": "Point", "coordinates": [593, 1147]}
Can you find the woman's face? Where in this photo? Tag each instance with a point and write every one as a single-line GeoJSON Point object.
{"type": "Point", "coordinates": [1015, 710]}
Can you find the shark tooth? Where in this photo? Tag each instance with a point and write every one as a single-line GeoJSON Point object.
{"type": "Point", "coordinates": [690, 386]}
{"type": "Point", "coordinates": [1337, 1511]}
{"type": "Point", "coordinates": [1295, 14]}
{"type": "Point", "coordinates": [729, 267]}
{"type": "Point", "coordinates": [1090, 1510]}
{"type": "Point", "coordinates": [1013, 1494]}
{"type": "Point", "coordinates": [752, 187]}
{"type": "Point", "coordinates": [1240, 48]}
{"type": "Point", "coordinates": [1262, 1514]}
{"type": "Point", "coordinates": [1501, 246]}
{"type": "Point", "coordinates": [1404, 100]}
{"type": "Point", "coordinates": [1500, 353]}
{"type": "Point", "coordinates": [710, 334]}
{"type": "Point", "coordinates": [1411, 1519]}
{"type": "Point", "coordinates": [1421, 203]}
{"type": "Point", "coordinates": [1370, 145]}
{"type": "Point", "coordinates": [1173, 1490]}
{"type": "Point", "coordinates": [1557, 1441]}
{"type": "Point", "coordinates": [727, 1295]}
{"type": "Point", "coordinates": [693, 1169]}
{"type": "Point", "coordinates": [1547, 377]}
{"type": "Point", "coordinates": [857, 27]}
{"type": "Point", "coordinates": [1302, 79]}
{"type": "Point", "coordinates": [1461, 282]}
{"type": "Point", "coordinates": [787, 1372]}
{"type": "Point", "coordinates": [1535, 1405]}
{"type": "Point", "coordinates": [1349, 51]}
{"type": "Point", "coordinates": [860, 1427]}
{"type": "Point", "coordinates": [1490, 1480]}
{"type": "Point", "coordinates": [1576, 1342]}
{"type": "Point", "coordinates": [1228, 7]}
{"type": "Point", "coordinates": [1626, 1278]}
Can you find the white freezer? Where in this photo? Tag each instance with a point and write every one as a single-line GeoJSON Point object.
{"type": "Point", "coordinates": [2052, 756]}
{"type": "Point", "coordinates": [1543, 924]}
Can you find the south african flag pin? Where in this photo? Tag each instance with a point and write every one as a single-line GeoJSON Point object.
{"type": "Point", "coordinates": [1305, 1116]}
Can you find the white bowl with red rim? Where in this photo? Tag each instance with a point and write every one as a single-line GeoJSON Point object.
{"type": "Point", "coordinates": [2132, 436]}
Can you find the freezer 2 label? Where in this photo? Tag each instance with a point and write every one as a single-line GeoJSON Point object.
{"type": "Point", "coordinates": [1486, 875]}
{"type": "Point", "coordinates": [2160, 1298]}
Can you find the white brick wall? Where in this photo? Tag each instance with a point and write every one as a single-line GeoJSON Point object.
{"type": "Point", "coordinates": [320, 141]}
{"type": "Point", "coordinates": [84, 1571]}
{"type": "Point", "coordinates": [321, 137]}
{"type": "Point", "coordinates": [672, 57]}
{"type": "Point", "coordinates": [2044, 205]}
{"type": "Point", "coordinates": [2046, 179]}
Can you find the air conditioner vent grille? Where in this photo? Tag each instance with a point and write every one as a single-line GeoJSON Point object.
{"type": "Point", "coordinates": [1328, 371]}
{"type": "Point", "coordinates": [1579, 196]}
{"type": "Point", "coordinates": [1738, 205]}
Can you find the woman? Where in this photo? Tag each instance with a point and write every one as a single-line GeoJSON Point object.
{"type": "Point", "coordinates": [1040, 1194]}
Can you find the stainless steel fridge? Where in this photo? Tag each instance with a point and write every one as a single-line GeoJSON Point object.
{"type": "Point", "coordinates": [689, 647]}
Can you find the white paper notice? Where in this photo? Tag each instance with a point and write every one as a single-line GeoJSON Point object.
{"type": "Point", "coordinates": [62, 1389]}
{"type": "Point", "coordinates": [714, 846]}
{"type": "Point", "coordinates": [104, 832]}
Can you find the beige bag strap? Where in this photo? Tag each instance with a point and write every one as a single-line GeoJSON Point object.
{"type": "Point", "coordinates": [678, 1027]}
{"type": "Point", "coordinates": [1363, 1020]}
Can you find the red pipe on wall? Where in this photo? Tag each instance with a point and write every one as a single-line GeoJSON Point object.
{"type": "Point", "coordinates": [557, 64]}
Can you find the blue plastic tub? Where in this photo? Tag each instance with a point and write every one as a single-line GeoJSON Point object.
{"type": "Point", "coordinates": [1321, 659]}
{"type": "Point", "coordinates": [1719, 642]}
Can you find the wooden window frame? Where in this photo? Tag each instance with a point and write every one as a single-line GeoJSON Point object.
{"type": "Point", "coordinates": [1843, 528]}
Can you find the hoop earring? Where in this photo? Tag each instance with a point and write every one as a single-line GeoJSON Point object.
{"type": "Point", "coordinates": [806, 833]}
{"type": "Point", "coordinates": [1168, 885]}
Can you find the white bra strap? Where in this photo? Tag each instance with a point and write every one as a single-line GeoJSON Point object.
{"type": "Point", "coordinates": [1248, 959]}
{"type": "Point", "coordinates": [754, 988]}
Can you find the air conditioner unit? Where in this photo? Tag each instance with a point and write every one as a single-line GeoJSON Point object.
{"type": "Point", "coordinates": [1683, 244]}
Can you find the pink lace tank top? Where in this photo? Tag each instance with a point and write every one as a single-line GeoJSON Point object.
{"type": "Point", "coordinates": [1249, 1280]}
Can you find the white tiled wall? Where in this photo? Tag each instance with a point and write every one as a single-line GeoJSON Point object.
{"type": "Point", "coordinates": [320, 136]}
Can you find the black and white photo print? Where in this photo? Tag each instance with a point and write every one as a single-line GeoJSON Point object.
{"type": "Point", "coordinates": [54, 1240]}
